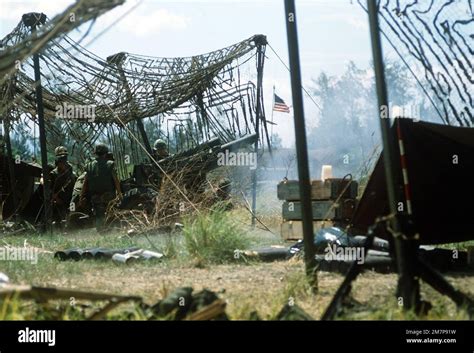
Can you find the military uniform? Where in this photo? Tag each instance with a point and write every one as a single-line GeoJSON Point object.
{"type": "Point", "coordinates": [160, 150]}
{"type": "Point", "coordinates": [62, 181]}
{"type": "Point", "coordinates": [101, 185]}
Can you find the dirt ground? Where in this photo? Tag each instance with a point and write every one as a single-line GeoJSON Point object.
{"type": "Point", "coordinates": [260, 287]}
{"type": "Point", "coordinates": [246, 287]}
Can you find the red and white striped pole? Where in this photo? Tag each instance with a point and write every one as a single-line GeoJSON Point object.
{"type": "Point", "coordinates": [406, 184]}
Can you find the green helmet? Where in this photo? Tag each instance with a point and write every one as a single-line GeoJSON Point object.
{"type": "Point", "coordinates": [60, 151]}
{"type": "Point", "coordinates": [159, 144]}
{"type": "Point", "coordinates": [101, 149]}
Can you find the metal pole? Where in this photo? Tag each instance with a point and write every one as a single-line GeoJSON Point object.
{"type": "Point", "coordinates": [145, 139]}
{"type": "Point", "coordinates": [273, 105]}
{"type": "Point", "coordinates": [32, 20]}
{"type": "Point", "coordinates": [11, 168]}
{"type": "Point", "coordinates": [300, 142]}
{"type": "Point", "coordinates": [257, 124]}
{"type": "Point", "coordinates": [405, 250]}
{"type": "Point", "coordinates": [43, 148]}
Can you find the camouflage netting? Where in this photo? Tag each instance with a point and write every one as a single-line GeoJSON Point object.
{"type": "Point", "coordinates": [435, 39]}
{"type": "Point", "coordinates": [187, 100]}
{"type": "Point", "coordinates": [133, 86]}
{"type": "Point", "coordinates": [199, 97]}
{"type": "Point", "coordinates": [21, 44]}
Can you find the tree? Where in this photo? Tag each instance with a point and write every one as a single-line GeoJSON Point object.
{"type": "Point", "coordinates": [348, 127]}
{"type": "Point", "coordinates": [21, 145]}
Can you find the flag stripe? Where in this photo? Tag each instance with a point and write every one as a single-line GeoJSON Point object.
{"type": "Point", "coordinates": [280, 105]}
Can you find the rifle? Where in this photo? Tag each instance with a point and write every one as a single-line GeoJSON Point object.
{"type": "Point", "coordinates": [54, 197]}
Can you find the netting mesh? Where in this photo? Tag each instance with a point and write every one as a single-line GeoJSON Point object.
{"type": "Point", "coordinates": [20, 43]}
{"type": "Point", "coordinates": [435, 38]}
{"type": "Point", "coordinates": [186, 100]}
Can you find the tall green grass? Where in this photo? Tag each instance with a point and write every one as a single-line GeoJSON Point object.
{"type": "Point", "coordinates": [214, 237]}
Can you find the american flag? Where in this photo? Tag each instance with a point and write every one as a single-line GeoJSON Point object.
{"type": "Point", "coordinates": [280, 105]}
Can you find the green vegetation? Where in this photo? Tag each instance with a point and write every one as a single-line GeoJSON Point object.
{"type": "Point", "coordinates": [214, 237]}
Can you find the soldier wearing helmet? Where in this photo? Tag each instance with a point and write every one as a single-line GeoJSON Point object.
{"type": "Point", "coordinates": [101, 184]}
{"type": "Point", "coordinates": [62, 181]}
{"type": "Point", "coordinates": [160, 149]}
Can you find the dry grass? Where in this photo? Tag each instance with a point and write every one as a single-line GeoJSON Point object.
{"type": "Point", "coordinates": [261, 287]}
{"type": "Point", "coordinates": [247, 287]}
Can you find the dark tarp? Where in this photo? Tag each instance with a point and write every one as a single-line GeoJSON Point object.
{"type": "Point", "coordinates": [442, 190]}
{"type": "Point", "coordinates": [25, 174]}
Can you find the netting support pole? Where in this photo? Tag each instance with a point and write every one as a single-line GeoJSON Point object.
{"type": "Point", "coordinates": [301, 145]}
{"type": "Point", "coordinates": [145, 139]}
{"type": "Point", "coordinates": [11, 168]}
{"type": "Point", "coordinates": [32, 20]}
{"type": "Point", "coordinates": [260, 57]}
{"type": "Point", "coordinates": [405, 249]}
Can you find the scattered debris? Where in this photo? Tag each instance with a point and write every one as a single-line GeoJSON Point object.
{"type": "Point", "coordinates": [77, 254]}
{"type": "Point", "coordinates": [129, 257]}
{"type": "Point", "coordinates": [178, 227]}
{"type": "Point", "coordinates": [44, 294]}
{"type": "Point", "coordinates": [293, 313]}
{"type": "Point", "coordinates": [337, 250]}
{"type": "Point", "coordinates": [181, 304]}
{"type": "Point", "coordinates": [3, 279]}
{"type": "Point", "coordinates": [16, 228]}
{"type": "Point", "coordinates": [269, 253]}
{"type": "Point", "coordinates": [335, 236]}
{"type": "Point", "coordinates": [117, 255]}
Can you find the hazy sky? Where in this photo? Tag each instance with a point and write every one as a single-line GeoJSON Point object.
{"type": "Point", "coordinates": [331, 32]}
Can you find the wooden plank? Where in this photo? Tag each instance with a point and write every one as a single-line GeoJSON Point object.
{"type": "Point", "coordinates": [320, 190]}
{"type": "Point", "coordinates": [322, 210]}
{"type": "Point", "coordinates": [293, 230]}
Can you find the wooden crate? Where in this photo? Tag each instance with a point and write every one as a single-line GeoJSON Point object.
{"type": "Point", "coordinates": [320, 190]}
{"type": "Point", "coordinates": [322, 210]}
{"type": "Point", "coordinates": [293, 230]}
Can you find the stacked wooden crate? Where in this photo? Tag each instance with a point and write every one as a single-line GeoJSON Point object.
{"type": "Point", "coordinates": [326, 211]}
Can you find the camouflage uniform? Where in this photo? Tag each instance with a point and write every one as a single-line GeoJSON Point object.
{"type": "Point", "coordinates": [101, 188]}
{"type": "Point", "coordinates": [62, 181]}
{"type": "Point", "coordinates": [160, 151]}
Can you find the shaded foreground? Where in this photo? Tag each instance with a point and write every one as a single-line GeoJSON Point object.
{"type": "Point", "coordinates": [245, 285]}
